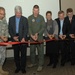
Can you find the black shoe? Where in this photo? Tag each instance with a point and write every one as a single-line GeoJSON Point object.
{"type": "Point", "coordinates": [17, 70]}
{"type": "Point", "coordinates": [23, 71]}
{"type": "Point", "coordinates": [68, 60]}
{"type": "Point", "coordinates": [49, 64]}
{"type": "Point", "coordinates": [54, 66]}
{"type": "Point", "coordinates": [72, 64]}
{"type": "Point", "coordinates": [62, 64]}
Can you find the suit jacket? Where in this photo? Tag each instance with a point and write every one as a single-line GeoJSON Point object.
{"type": "Point", "coordinates": [23, 27]}
{"type": "Point", "coordinates": [70, 26]}
{"type": "Point", "coordinates": [64, 27]}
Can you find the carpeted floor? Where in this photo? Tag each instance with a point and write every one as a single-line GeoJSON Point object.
{"type": "Point", "coordinates": [66, 70]}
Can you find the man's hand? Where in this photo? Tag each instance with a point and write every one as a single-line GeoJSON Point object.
{"type": "Point", "coordinates": [72, 36]}
{"type": "Point", "coordinates": [34, 37]}
{"type": "Point", "coordinates": [51, 36]}
{"type": "Point", "coordinates": [16, 38]}
{"type": "Point", "coordinates": [23, 40]}
{"type": "Point", "coordinates": [62, 37]}
{"type": "Point", "coordinates": [4, 38]}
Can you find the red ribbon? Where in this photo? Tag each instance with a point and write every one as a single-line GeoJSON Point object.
{"type": "Point", "coordinates": [26, 42]}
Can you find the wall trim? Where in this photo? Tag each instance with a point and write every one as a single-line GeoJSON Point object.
{"type": "Point", "coordinates": [60, 4]}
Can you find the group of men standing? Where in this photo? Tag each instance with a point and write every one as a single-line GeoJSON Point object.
{"type": "Point", "coordinates": [66, 33]}
{"type": "Point", "coordinates": [19, 27]}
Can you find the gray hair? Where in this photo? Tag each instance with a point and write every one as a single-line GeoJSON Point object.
{"type": "Point", "coordinates": [18, 9]}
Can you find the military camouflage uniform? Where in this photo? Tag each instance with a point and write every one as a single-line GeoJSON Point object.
{"type": "Point", "coordinates": [3, 32]}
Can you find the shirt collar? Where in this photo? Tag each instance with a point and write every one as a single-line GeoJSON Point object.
{"type": "Point", "coordinates": [61, 20]}
{"type": "Point", "coordinates": [34, 16]}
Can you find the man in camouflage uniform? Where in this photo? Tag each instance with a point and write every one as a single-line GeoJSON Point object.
{"type": "Point", "coordinates": [3, 38]}
{"type": "Point", "coordinates": [36, 30]}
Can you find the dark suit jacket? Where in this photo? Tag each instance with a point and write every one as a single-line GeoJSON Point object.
{"type": "Point", "coordinates": [64, 27]}
{"type": "Point", "coordinates": [70, 26]}
{"type": "Point", "coordinates": [23, 27]}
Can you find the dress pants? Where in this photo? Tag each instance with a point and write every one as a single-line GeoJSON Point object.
{"type": "Point", "coordinates": [52, 51]}
{"type": "Point", "coordinates": [72, 45]}
{"type": "Point", "coordinates": [65, 51]}
{"type": "Point", "coordinates": [20, 56]}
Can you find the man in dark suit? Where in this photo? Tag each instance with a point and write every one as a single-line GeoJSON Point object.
{"type": "Point", "coordinates": [18, 30]}
{"type": "Point", "coordinates": [62, 35]}
{"type": "Point", "coordinates": [70, 26]}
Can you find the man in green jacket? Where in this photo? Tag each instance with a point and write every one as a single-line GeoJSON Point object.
{"type": "Point", "coordinates": [36, 30]}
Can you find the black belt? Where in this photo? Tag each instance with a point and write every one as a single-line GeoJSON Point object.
{"type": "Point", "coordinates": [17, 34]}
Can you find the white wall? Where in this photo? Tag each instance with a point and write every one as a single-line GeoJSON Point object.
{"type": "Point", "coordinates": [68, 4]}
{"type": "Point", "coordinates": [27, 5]}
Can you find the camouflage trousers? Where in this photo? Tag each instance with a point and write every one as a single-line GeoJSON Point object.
{"type": "Point", "coordinates": [2, 54]}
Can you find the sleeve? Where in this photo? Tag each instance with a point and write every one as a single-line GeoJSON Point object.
{"type": "Point", "coordinates": [25, 28]}
{"type": "Point", "coordinates": [6, 29]}
{"type": "Point", "coordinates": [55, 29]}
{"type": "Point", "coordinates": [10, 28]}
{"type": "Point", "coordinates": [29, 23]}
{"type": "Point", "coordinates": [72, 31]}
{"type": "Point", "coordinates": [43, 26]}
{"type": "Point", "coordinates": [66, 27]}
{"type": "Point", "coordinates": [45, 32]}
